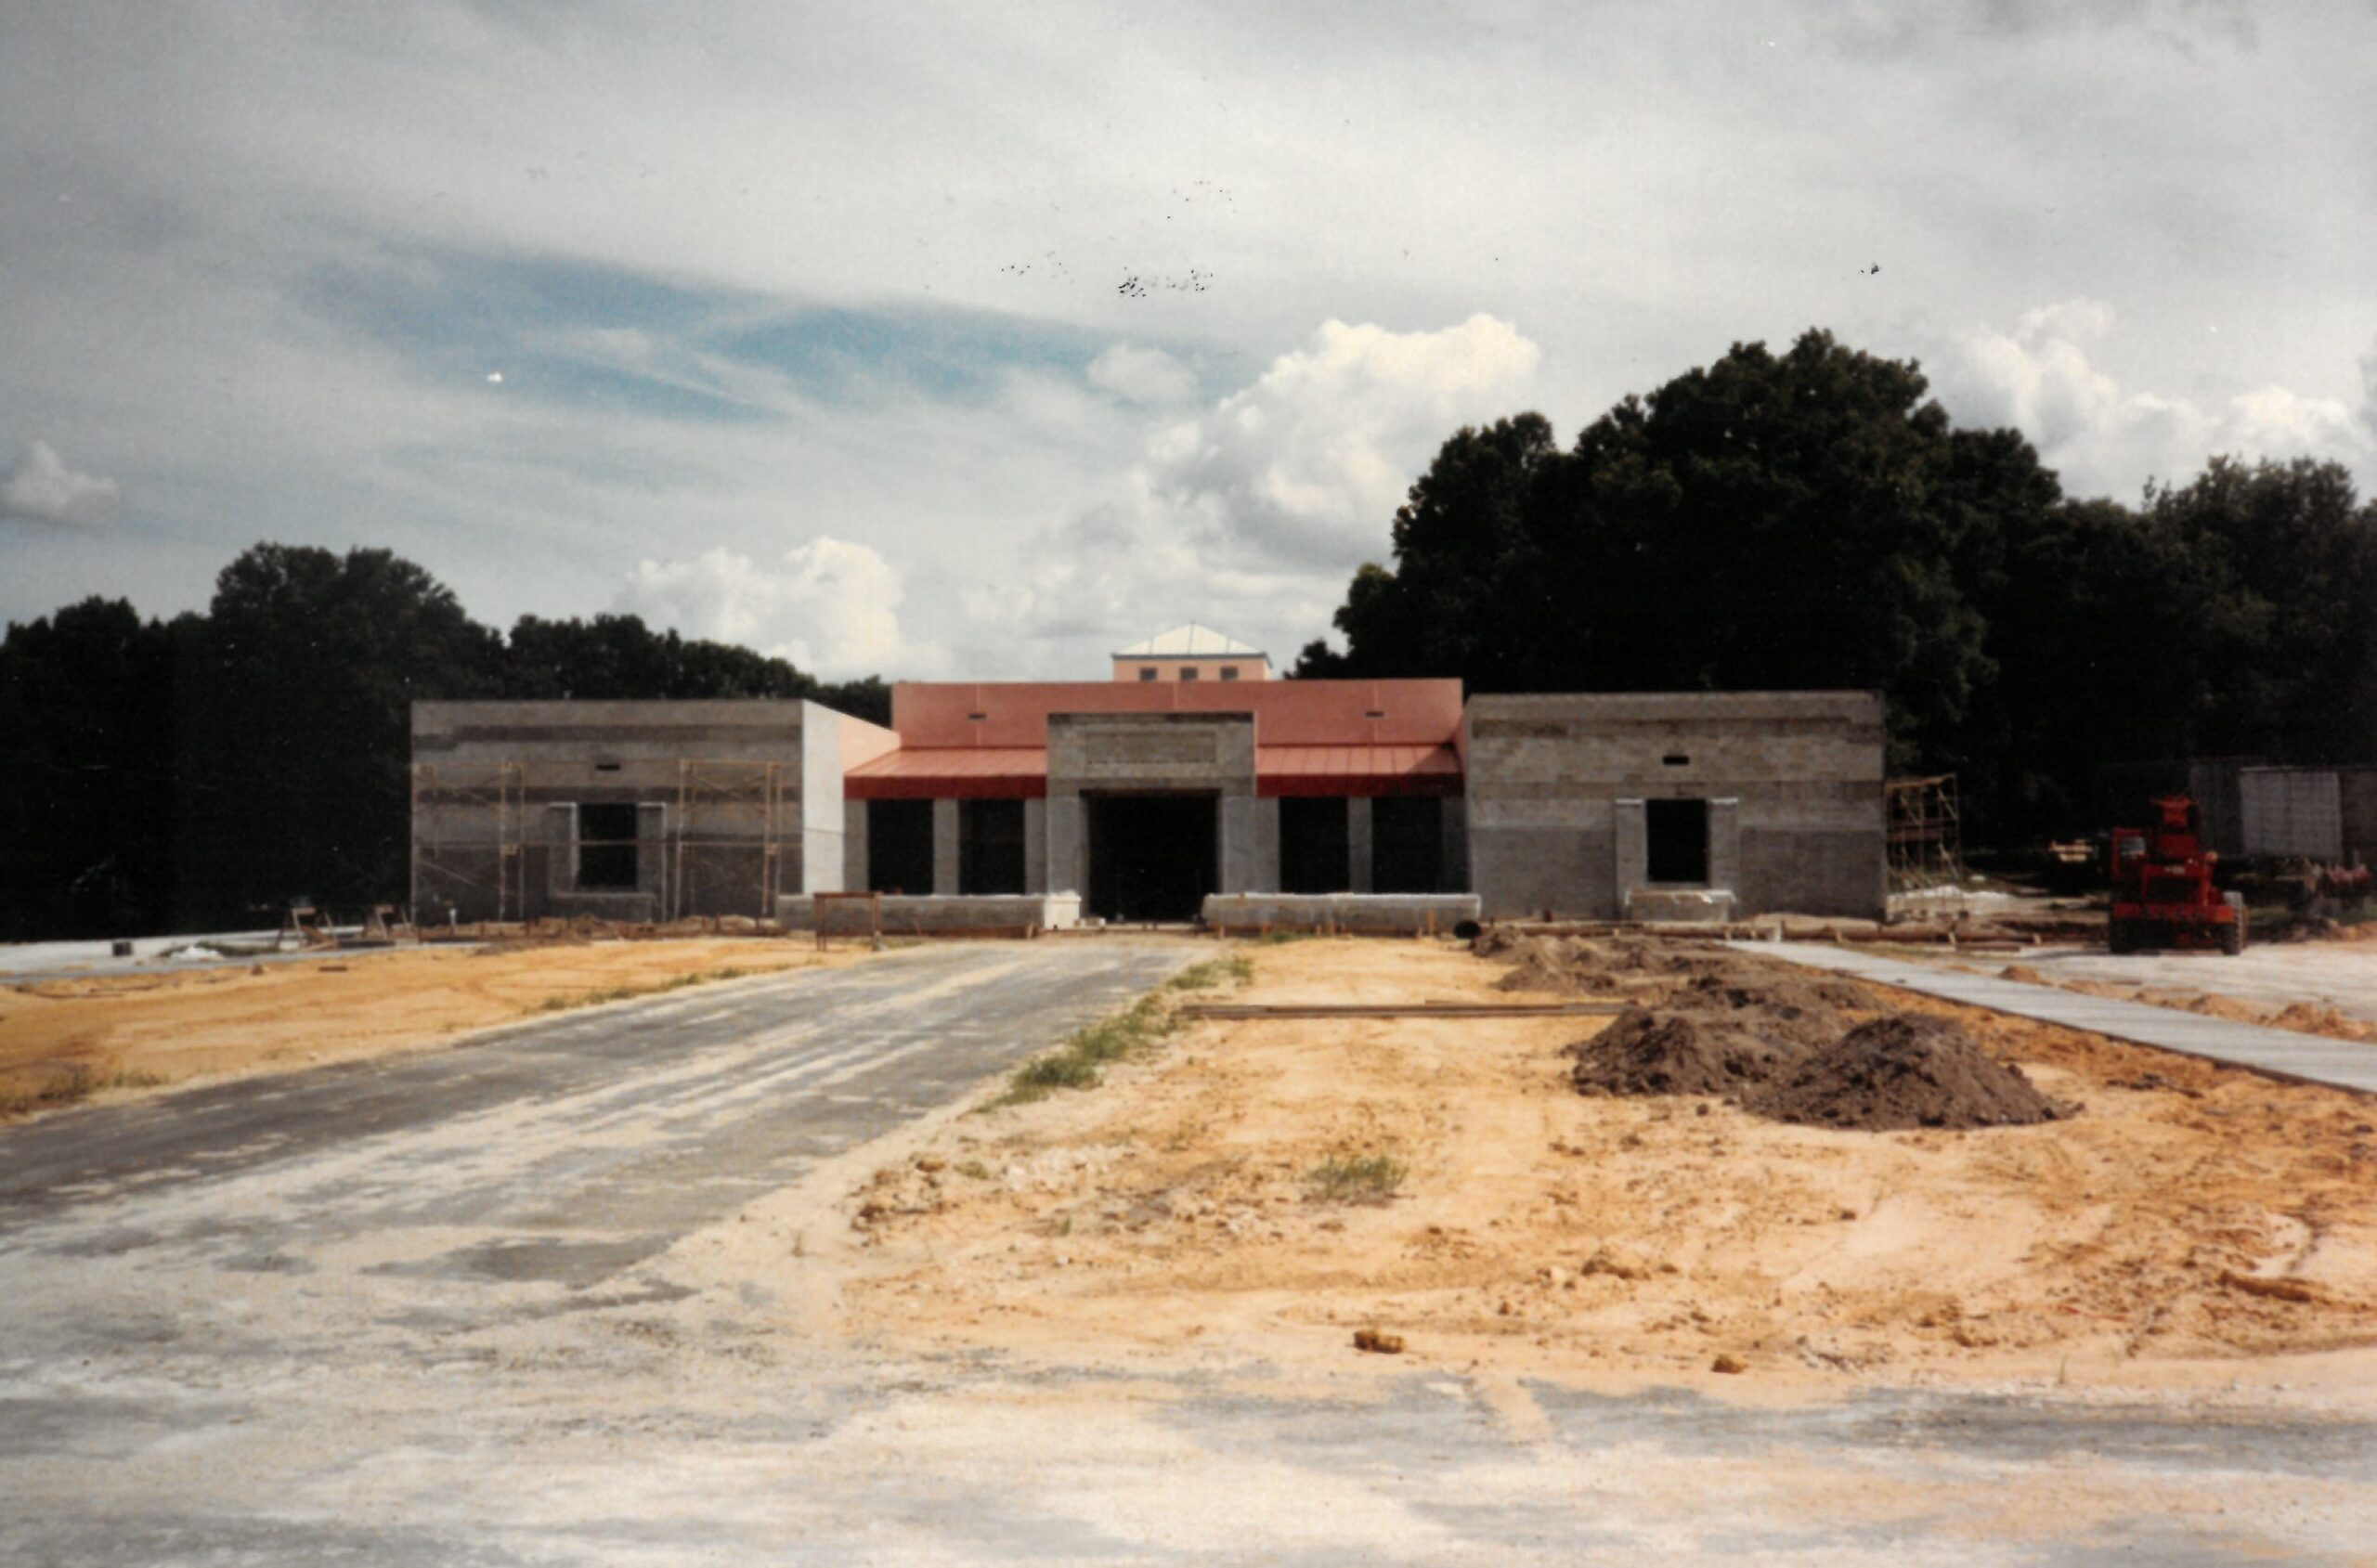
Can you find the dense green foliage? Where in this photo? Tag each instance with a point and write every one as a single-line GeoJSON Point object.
{"type": "Point", "coordinates": [1811, 521]}
{"type": "Point", "coordinates": [202, 773]}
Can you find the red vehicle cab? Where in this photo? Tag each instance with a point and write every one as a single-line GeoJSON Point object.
{"type": "Point", "coordinates": [2162, 892]}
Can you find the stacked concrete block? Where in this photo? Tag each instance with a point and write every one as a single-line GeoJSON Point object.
{"type": "Point", "coordinates": [734, 802]}
{"type": "Point", "coordinates": [1558, 787]}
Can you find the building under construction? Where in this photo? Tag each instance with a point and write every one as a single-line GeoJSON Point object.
{"type": "Point", "coordinates": [1189, 773]}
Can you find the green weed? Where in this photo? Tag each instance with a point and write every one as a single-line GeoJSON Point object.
{"type": "Point", "coordinates": [1350, 1178]}
{"type": "Point", "coordinates": [1074, 1065]}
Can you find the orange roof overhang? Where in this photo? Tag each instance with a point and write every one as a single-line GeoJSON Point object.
{"type": "Point", "coordinates": [987, 772]}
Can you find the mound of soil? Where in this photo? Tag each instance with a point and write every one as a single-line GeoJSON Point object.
{"type": "Point", "coordinates": [1654, 1051]}
{"type": "Point", "coordinates": [1784, 1008]}
{"type": "Point", "coordinates": [1897, 1071]}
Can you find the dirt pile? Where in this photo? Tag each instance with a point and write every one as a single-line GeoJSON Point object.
{"type": "Point", "coordinates": [1782, 1010]}
{"type": "Point", "coordinates": [1899, 1071]}
{"type": "Point", "coordinates": [1778, 1041]}
{"type": "Point", "coordinates": [1649, 1051]}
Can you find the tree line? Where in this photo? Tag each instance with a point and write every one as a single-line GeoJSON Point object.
{"type": "Point", "coordinates": [200, 773]}
{"type": "Point", "coordinates": [1802, 520]}
{"type": "Point", "coordinates": [1813, 520]}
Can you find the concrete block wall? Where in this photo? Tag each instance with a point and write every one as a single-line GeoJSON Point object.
{"type": "Point", "coordinates": [2293, 812]}
{"type": "Point", "coordinates": [1794, 778]}
{"type": "Point", "coordinates": [550, 758]}
{"type": "Point", "coordinates": [1200, 752]}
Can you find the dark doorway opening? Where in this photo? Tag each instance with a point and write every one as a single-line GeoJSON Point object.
{"type": "Point", "coordinates": [1678, 831]}
{"type": "Point", "coordinates": [1152, 857]}
{"type": "Point", "coordinates": [1407, 843]}
{"type": "Point", "coordinates": [898, 846]}
{"type": "Point", "coordinates": [607, 848]}
{"type": "Point", "coordinates": [1313, 845]}
{"type": "Point", "coordinates": [990, 846]}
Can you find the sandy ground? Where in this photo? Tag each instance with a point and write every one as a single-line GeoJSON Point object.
{"type": "Point", "coordinates": [2193, 1226]}
{"type": "Point", "coordinates": [117, 1035]}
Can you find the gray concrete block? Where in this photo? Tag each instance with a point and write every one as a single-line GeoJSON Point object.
{"type": "Point", "coordinates": [1367, 914]}
{"type": "Point", "coordinates": [920, 915]}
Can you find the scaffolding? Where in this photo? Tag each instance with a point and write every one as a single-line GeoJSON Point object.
{"type": "Point", "coordinates": [720, 857]}
{"type": "Point", "coordinates": [1925, 835]}
{"type": "Point", "coordinates": [453, 851]}
{"type": "Point", "coordinates": [721, 848]}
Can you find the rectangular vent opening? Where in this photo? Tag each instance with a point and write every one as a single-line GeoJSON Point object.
{"type": "Point", "coordinates": [1676, 759]}
{"type": "Point", "coordinates": [606, 767]}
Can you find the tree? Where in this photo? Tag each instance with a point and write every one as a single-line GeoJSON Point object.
{"type": "Point", "coordinates": [86, 699]}
{"type": "Point", "coordinates": [1792, 521]}
{"type": "Point", "coordinates": [296, 725]}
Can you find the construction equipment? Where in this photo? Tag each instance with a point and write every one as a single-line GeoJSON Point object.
{"type": "Point", "coordinates": [2162, 892]}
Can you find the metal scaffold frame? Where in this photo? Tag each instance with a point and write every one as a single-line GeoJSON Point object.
{"type": "Point", "coordinates": [1924, 828]}
{"type": "Point", "coordinates": [476, 789]}
{"type": "Point", "coordinates": [725, 788]}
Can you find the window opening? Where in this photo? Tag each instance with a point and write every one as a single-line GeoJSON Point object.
{"type": "Point", "coordinates": [606, 845]}
{"type": "Point", "coordinates": [1678, 832]}
{"type": "Point", "coordinates": [1407, 843]}
{"type": "Point", "coordinates": [990, 846]}
{"type": "Point", "coordinates": [898, 846]}
{"type": "Point", "coordinates": [1314, 842]}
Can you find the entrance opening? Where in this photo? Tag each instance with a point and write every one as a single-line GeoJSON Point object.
{"type": "Point", "coordinates": [1678, 831]}
{"type": "Point", "coordinates": [1313, 845]}
{"type": "Point", "coordinates": [607, 848]}
{"type": "Point", "coordinates": [1407, 843]}
{"type": "Point", "coordinates": [898, 846]}
{"type": "Point", "coordinates": [1152, 857]}
{"type": "Point", "coordinates": [990, 846]}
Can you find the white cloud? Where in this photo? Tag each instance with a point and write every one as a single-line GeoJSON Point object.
{"type": "Point", "coordinates": [2044, 378]}
{"type": "Point", "coordinates": [1142, 375]}
{"type": "Point", "coordinates": [1307, 465]}
{"type": "Point", "coordinates": [830, 606]}
{"type": "Point", "coordinates": [1253, 516]}
{"type": "Point", "coordinates": [41, 488]}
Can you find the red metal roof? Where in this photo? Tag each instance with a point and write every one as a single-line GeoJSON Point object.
{"type": "Point", "coordinates": [981, 773]}
{"type": "Point", "coordinates": [1001, 713]}
{"type": "Point", "coordinates": [1356, 769]}
{"type": "Point", "coordinates": [963, 772]}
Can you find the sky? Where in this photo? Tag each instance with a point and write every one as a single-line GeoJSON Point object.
{"type": "Point", "coordinates": [965, 341]}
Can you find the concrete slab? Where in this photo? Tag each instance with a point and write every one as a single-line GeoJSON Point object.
{"type": "Point", "coordinates": [1394, 914]}
{"type": "Point", "coordinates": [2309, 1058]}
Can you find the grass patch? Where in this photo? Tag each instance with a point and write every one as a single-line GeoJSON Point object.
{"type": "Point", "coordinates": [629, 992]}
{"type": "Point", "coordinates": [1236, 969]}
{"type": "Point", "coordinates": [1356, 1178]}
{"type": "Point", "coordinates": [1075, 1064]}
{"type": "Point", "coordinates": [69, 1085]}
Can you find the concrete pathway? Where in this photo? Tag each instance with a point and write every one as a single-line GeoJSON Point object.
{"type": "Point", "coordinates": [2310, 1058]}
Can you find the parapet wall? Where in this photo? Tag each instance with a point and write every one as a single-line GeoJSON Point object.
{"type": "Point", "coordinates": [1793, 782]}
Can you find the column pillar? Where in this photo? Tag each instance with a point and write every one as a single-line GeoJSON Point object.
{"type": "Point", "coordinates": [855, 845]}
{"type": "Point", "coordinates": [944, 848]}
{"type": "Point", "coordinates": [1035, 846]}
{"type": "Point", "coordinates": [1360, 858]}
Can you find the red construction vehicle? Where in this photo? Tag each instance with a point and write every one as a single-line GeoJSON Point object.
{"type": "Point", "coordinates": [2162, 892]}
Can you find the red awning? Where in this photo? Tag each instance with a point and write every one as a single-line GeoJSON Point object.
{"type": "Point", "coordinates": [986, 772]}
{"type": "Point", "coordinates": [1356, 769]}
{"type": "Point", "coordinates": [955, 772]}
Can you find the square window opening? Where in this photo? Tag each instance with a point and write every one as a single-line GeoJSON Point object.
{"type": "Point", "coordinates": [606, 847]}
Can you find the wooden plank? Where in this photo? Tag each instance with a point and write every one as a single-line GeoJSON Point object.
{"type": "Point", "coordinates": [1250, 1011]}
